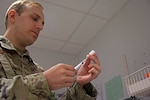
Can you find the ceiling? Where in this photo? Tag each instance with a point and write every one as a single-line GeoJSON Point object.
{"type": "Point", "coordinates": [70, 25]}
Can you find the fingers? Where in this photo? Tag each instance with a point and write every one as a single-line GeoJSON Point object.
{"type": "Point", "coordinates": [59, 76]}
{"type": "Point", "coordinates": [95, 66]}
{"type": "Point", "coordinates": [67, 75]}
{"type": "Point", "coordinates": [89, 71]}
{"type": "Point", "coordinates": [95, 70]}
{"type": "Point", "coordinates": [67, 70]}
{"type": "Point", "coordinates": [94, 58]}
{"type": "Point", "coordinates": [68, 78]}
{"type": "Point", "coordinates": [68, 81]}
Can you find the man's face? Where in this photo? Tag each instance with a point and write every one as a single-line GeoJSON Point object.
{"type": "Point", "coordinates": [29, 24]}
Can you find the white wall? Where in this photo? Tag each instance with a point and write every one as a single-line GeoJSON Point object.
{"type": "Point", "coordinates": [47, 59]}
{"type": "Point", "coordinates": [128, 33]}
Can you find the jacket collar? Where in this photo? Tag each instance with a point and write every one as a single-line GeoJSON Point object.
{"type": "Point", "coordinates": [6, 44]}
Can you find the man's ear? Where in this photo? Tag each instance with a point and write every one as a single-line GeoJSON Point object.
{"type": "Point", "coordinates": [12, 15]}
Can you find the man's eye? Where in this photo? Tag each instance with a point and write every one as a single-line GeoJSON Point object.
{"type": "Point", "coordinates": [35, 19]}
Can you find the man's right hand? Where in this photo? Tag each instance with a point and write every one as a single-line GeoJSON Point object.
{"type": "Point", "coordinates": [60, 76]}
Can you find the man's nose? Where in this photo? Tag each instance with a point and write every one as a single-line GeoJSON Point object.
{"type": "Point", "coordinates": [40, 26]}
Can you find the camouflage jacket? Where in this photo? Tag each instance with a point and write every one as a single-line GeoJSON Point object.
{"type": "Point", "coordinates": [22, 79]}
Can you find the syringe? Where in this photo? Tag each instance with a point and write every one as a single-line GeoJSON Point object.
{"type": "Point", "coordinates": [83, 61]}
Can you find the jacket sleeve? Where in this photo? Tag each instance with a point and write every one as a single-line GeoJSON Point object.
{"type": "Point", "coordinates": [31, 87]}
{"type": "Point", "coordinates": [76, 92]}
{"type": "Point", "coordinates": [38, 85]}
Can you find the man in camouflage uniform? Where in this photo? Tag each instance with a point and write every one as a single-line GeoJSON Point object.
{"type": "Point", "coordinates": [21, 78]}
